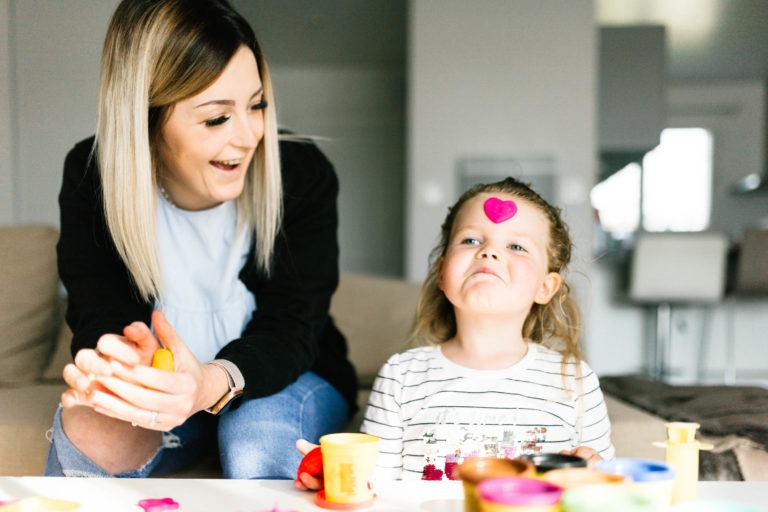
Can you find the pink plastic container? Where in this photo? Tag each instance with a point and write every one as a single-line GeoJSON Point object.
{"type": "Point", "coordinates": [517, 494]}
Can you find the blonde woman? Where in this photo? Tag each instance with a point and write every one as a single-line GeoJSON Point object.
{"type": "Point", "coordinates": [186, 224]}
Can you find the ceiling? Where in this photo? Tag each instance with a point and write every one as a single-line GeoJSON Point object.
{"type": "Point", "coordinates": [707, 39]}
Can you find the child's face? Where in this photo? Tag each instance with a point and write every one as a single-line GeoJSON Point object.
{"type": "Point", "coordinates": [498, 267]}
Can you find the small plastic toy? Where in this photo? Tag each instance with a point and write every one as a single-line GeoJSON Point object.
{"type": "Point", "coordinates": [37, 504]}
{"type": "Point", "coordinates": [163, 359]}
{"type": "Point", "coordinates": [158, 504]}
{"type": "Point", "coordinates": [683, 456]}
{"type": "Point", "coordinates": [312, 463]}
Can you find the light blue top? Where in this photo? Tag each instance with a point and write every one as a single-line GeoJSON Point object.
{"type": "Point", "coordinates": [201, 256]}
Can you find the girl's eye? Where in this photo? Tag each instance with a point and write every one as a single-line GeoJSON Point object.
{"type": "Point", "coordinates": [260, 105]}
{"type": "Point", "coordinates": [516, 247]}
{"type": "Point", "coordinates": [470, 241]}
{"type": "Point", "coordinates": [217, 121]}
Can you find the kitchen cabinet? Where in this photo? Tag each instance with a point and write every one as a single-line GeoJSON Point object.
{"type": "Point", "coordinates": [632, 79]}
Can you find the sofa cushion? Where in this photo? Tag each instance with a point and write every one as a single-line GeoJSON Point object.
{"type": "Point", "coordinates": [27, 415]}
{"type": "Point", "coordinates": [374, 313]}
{"type": "Point", "coordinates": [28, 301]}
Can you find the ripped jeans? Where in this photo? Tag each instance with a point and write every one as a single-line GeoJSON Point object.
{"type": "Point", "coordinates": [255, 440]}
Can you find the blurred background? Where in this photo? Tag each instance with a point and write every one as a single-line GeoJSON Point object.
{"type": "Point", "coordinates": [634, 116]}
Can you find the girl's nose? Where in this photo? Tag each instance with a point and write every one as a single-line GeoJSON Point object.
{"type": "Point", "coordinates": [488, 251]}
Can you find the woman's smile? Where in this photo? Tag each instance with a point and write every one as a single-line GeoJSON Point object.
{"type": "Point", "coordinates": [226, 165]}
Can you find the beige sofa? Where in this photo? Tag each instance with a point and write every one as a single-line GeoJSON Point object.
{"type": "Point", "coordinates": [373, 312]}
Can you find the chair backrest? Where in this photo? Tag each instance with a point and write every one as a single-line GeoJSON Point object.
{"type": "Point", "coordinates": [752, 269]}
{"type": "Point", "coordinates": [678, 267]}
{"type": "Point", "coordinates": [374, 314]}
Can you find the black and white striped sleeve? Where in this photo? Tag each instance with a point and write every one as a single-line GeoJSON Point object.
{"type": "Point", "coordinates": [383, 418]}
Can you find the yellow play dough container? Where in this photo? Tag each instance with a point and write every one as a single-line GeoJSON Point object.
{"type": "Point", "coordinates": [571, 478]}
{"type": "Point", "coordinates": [349, 460]}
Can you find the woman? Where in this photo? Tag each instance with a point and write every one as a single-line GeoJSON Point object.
{"type": "Point", "coordinates": [186, 224]}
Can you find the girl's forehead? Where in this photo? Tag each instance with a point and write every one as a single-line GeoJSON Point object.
{"type": "Point", "coordinates": [498, 209]}
{"type": "Point", "coordinates": [493, 204]}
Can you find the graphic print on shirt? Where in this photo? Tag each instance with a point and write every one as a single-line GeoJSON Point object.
{"type": "Point", "coordinates": [431, 413]}
{"type": "Point", "coordinates": [456, 437]}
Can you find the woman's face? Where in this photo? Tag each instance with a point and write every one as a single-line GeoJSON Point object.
{"type": "Point", "coordinates": [208, 140]}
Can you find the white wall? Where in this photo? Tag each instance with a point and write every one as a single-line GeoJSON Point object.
{"type": "Point", "coordinates": [498, 79]}
{"type": "Point", "coordinates": [6, 117]}
{"type": "Point", "coordinates": [357, 111]}
{"type": "Point", "coordinates": [338, 68]}
{"type": "Point", "coordinates": [54, 62]}
{"type": "Point", "coordinates": [501, 79]}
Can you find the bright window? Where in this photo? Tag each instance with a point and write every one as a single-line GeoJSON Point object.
{"type": "Point", "coordinates": [676, 181]}
{"type": "Point", "coordinates": [617, 201]}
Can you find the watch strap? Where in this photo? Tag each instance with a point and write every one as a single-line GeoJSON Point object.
{"type": "Point", "coordinates": [236, 379]}
{"type": "Point", "coordinates": [236, 384]}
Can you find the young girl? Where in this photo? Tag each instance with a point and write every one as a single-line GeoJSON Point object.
{"type": "Point", "coordinates": [502, 374]}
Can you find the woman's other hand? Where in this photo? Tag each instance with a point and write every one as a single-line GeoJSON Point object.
{"type": "Point", "coordinates": [304, 481]}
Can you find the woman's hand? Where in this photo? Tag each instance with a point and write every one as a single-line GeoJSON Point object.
{"type": "Point", "coordinates": [118, 381]}
{"type": "Point", "coordinates": [304, 481]}
{"type": "Point", "coordinates": [585, 452]}
{"type": "Point", "coordinates": [89, 364]}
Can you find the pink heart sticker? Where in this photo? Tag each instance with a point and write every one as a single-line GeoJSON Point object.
{"type": "Point", "coordinates": [498, 210]}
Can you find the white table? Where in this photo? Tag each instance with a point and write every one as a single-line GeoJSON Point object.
{"type": "Point", "coordinates": [116, 495]}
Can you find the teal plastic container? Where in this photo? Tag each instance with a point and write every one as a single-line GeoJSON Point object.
{"type": "Point", "coordinates": [605, 498]}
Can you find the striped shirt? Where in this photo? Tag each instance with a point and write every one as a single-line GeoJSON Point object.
{"type": "Point", "coordinates": [430, 413]}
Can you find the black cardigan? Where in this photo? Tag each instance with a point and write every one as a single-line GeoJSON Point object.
{"type": "Point", "coordinates": [290, 332]}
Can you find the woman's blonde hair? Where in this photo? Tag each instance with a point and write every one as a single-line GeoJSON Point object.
{"type": "Point", "coordinates": [157, 53]}
{"type": "Point", "coordinates": [557, 322]}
